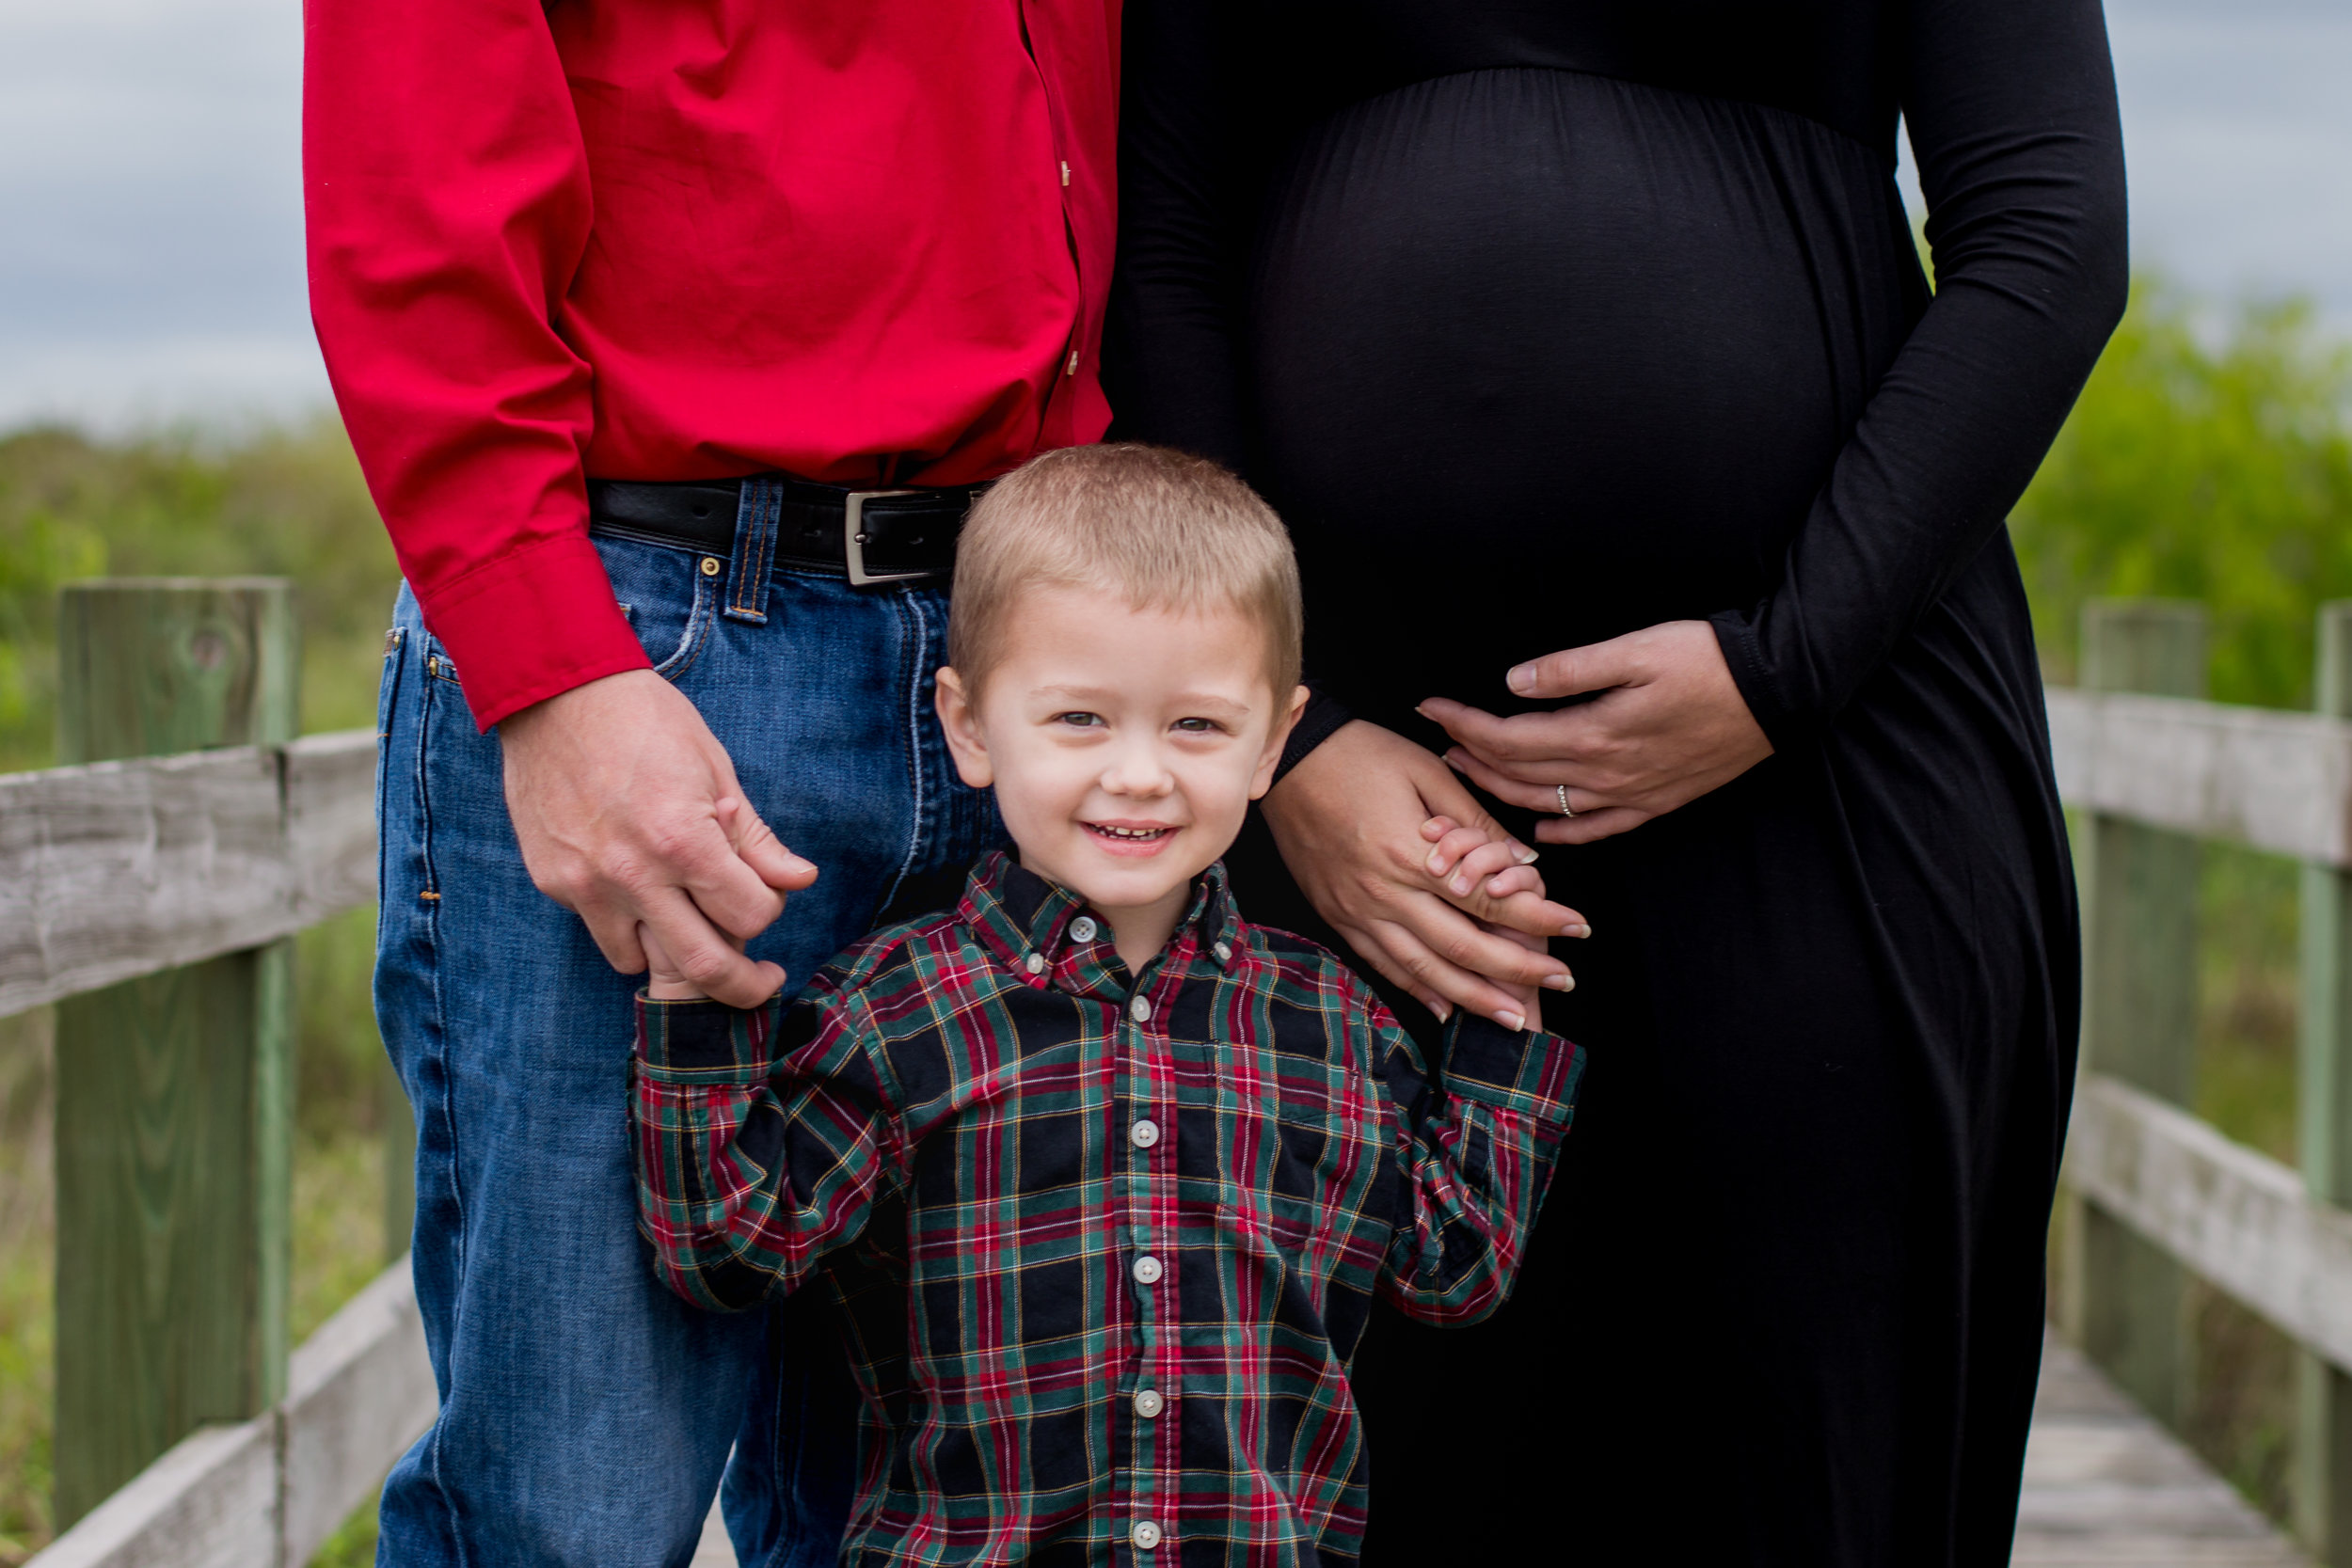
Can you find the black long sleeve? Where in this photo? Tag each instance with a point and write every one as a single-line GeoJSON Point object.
{"type": "Point", "coordinates": [2010, 105]}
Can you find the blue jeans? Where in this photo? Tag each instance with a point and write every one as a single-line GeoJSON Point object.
{"type": "Point", "coordinates": [586, 1414]}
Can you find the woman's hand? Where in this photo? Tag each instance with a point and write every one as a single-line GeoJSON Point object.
{"type": "Point", "coordinates": [1668, 726]}
{"type": "Point", "coordinates": [1349, 821]}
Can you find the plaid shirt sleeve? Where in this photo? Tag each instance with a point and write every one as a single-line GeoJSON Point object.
{"type": "Point", "coordinates": [1476, 1143]}
{"type": "Point", "coordinates": [764, 1139]}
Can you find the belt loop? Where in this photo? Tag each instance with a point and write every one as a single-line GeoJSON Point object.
{"type": "Point", "coordinates": [755, 518]}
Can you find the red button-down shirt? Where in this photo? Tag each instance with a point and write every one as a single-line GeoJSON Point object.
{"type": "Point", "coordinates": [854, 240]}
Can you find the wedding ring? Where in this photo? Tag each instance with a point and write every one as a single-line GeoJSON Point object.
{"type": "Point", "coordinates": [1565, 809]}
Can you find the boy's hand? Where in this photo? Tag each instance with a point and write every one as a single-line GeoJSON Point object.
{"type": "Point", "coordinates": [628, 813]}
{"type": "Point", "coordinates": [1349, 822]}
{"type": "Point", "coordinates": [664, 980]}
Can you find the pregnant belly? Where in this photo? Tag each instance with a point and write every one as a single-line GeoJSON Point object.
{"type": "Point", "coordinates": [1541, 358]}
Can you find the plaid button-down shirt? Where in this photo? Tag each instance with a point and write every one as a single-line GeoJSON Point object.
{"type": "Point", "coordinates": [1105, 1241]}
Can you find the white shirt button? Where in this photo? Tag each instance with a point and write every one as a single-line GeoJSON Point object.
{"type": "Point", "coordinates": [1037, 963]}
{"type": "Point", "coordinates": [1144, 1133]}
{"type": "Point", "coordinates": [1083, 929]}
{"type": "Point", "coordinates": [1147, 1270]}
{"type": "Point", "coordinates": [1146, 1535]}
{"type": "Point", "coordinates": [1149, 1404]}
{"type": "Point", "coordinates": [1224, 954]}
{"type": "Point", "coordinates": [1140, 1009]}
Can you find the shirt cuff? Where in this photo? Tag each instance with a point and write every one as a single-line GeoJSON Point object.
{"type": "Point", "coordinates": [704, 1042]}
{"type": "Point", "coordinates": [1751, 671]}
{"type": "Point", "coordinates": [1525, 1070]}
{"type": "Point", "coordinates": [529, 625]}
{"type": "Point", "coordinates": [1323, 716]}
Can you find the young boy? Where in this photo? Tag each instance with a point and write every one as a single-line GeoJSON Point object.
{"type": "Point", "coordinates": [1104, 1177]}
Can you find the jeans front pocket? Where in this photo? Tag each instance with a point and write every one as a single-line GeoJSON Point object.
{"type": "Point", "coordinates": [670, 595]}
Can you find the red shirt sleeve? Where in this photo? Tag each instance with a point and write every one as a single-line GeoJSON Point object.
{"type": "Point", "coordinates": [446, 191]}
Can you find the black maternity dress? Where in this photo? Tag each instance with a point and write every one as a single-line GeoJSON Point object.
{"type": "Point", "coordinates": [1546, 320]}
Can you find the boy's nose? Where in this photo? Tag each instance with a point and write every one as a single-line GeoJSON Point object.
{"type": "Point", "coordinates": [1137, 770]}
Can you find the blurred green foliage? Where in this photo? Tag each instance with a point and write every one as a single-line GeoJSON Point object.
{"type": "Point", "coordinates": [2210, 458]}
{"type": "Point", "coordinates": [287, 502]}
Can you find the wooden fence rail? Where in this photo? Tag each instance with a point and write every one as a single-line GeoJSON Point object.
{"type": "Point", "coordinates": [119, 870]}
{"type": "Point", "coordinates": [126, 868]}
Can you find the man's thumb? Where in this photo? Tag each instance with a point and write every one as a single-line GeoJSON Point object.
{"type": "Point", "coordinates": [758, 848]}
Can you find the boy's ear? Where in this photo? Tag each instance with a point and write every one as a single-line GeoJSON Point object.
{"type": "Point", "coordinates": [1276, 740]}
{"type": "Point", "coordinates": [963, 726]}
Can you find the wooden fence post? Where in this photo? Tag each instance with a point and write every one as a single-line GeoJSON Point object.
{"type": "Point", "coordinates": [2124, 1297]}
{"type": "Point", "coordinates": [174, 1120]}
{"type": "Point", "coordinates": [2323, 1439]}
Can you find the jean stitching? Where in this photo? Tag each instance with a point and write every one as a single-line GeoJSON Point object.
{"type": "Point", "coordinates": [698, 623]}
{"type": "Point", "coordinates": [387, 704]}
{"type": "Point", "coordinates": [757, 518]}
{"type": "Point", "coordinates": [443, 1109]}
{"type": "Point", "coordinates": [771, 520]}
{"type": "Point", "coordinates": [910, 672]}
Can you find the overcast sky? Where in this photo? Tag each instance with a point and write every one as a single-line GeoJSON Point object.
{"type": "Point", "coordinates": [150, 219]}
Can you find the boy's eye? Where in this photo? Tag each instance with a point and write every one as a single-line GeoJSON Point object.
{"type": "Point", "coordinates": [1079, 721]}
{"type": "Point", "coordinates": [1198, 726]}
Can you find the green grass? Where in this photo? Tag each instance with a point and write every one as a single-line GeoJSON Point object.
{"type": "Point", "coordinates": [27, 1251]}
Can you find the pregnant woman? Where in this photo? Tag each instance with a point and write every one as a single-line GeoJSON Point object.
{"type": "Point", "coordinates": [1636, 471]}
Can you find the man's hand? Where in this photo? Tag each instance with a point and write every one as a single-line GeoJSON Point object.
{"type": "Point", "coordinates": [1668, 726]}
{"type": "Point", "coordinates": [1350, 821]}
{"type": "Point", "coordinates": [629, 813]}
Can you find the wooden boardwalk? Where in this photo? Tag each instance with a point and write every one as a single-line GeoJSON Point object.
{"type": "Point", "coordinates": [2105, 1487]}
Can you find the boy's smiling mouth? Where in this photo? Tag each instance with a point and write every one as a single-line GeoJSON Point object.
{"type": "Point", "coordinates": [1130, 838]}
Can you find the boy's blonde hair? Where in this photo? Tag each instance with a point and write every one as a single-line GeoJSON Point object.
{"type": "Point", "coordinates": [1163, 530]}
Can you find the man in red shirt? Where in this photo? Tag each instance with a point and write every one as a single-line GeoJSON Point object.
{"type": "Point", "coordinates": [673, 338]}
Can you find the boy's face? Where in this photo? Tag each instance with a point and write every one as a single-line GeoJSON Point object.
{"type": "Point", "coordinates": [1125, 745]}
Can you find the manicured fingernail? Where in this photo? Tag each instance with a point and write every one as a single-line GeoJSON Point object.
{"type": "Point", "coordinates": [1442, 1009]}
{"type": "Point", "coordinates": [1527, 856]}
{"type": "Point", "coordinates": [1421, 708]}
{"type": "Point", "coordinates": [1522, 679]}
{"type": "Point", "coordinates": [1576, 928]}
{"type": "Point", "coordinates": [1511, 1021]}
{"type": "Point", "coordinates": [1561, 982]}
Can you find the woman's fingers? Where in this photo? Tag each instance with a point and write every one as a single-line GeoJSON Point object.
{"type": "Point", "coordinates": [1519, 792]}
{"type": "Point", "coordinates": [1573, 670]}
{"type": "Point", "coordinates": [1530, 913]}
{"type": "Point", "coordinates": [1585, 826]}
{"type": "Point", "coordinates": [1460, 964]}
{"type": "Point", "coordinates": [1525, 739]}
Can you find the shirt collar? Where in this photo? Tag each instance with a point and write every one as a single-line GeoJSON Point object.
{"type": "Point", "coordinates": [1019, 914]}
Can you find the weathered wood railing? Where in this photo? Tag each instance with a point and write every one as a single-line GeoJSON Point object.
{"type": "Point", "coordinates": [151, 899]}
{"type": "Point", "coordinates": [2151, 1191]}
{"type": "Point", "coordinates": [123, 869]}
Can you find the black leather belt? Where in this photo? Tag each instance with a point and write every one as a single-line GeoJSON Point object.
{"type": "Point", "coordinates": [868, 536]}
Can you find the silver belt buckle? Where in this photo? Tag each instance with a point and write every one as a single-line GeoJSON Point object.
{"type": "Point", "coordinates": [853, 538]}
